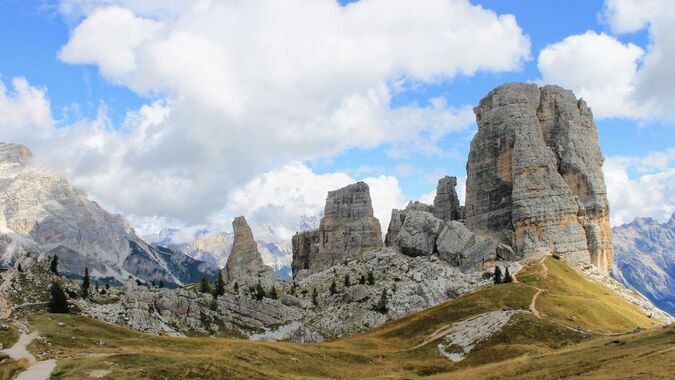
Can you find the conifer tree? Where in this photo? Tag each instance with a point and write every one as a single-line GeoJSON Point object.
{"type": "Point", "coordinates": [54, 265]}
{"type": "Point", "coordinates": [371, 278]}
{"type": "Point", "coordinates": [382, 303]}
{"type": "Point", "coordinates": [315, 294]}
{"type": "Point", "coordinates": [219, 289]}
{"type": "Point", "coordinates": [107, 286]}
{"type": "Point", "coordinates": [154, 284]}
{"type": "Point", "coordinates": [347, 280]}
{"type": "Point", "coordinates": [260, 292]}
{"type": "Point", "coordinates": [204, 285]}
{"type": "Point", "coordinates": [498, 275]}
{"type": "Point", "coordinates": [362, 280]}
{"type": "Point", "coordinates": [333, 288]}
{"type": "Point", "coordinates": [161, 284]}
{"type": "Point", "coordinates": [507, 276]}
{"type": "Point", "coordinates": [236, 287]}
{"type": "Point", "coordinates": [85, 283]}
{"type": "Point", "coordinates": [58, 303]}
{"type": "Point", "coordinates": [18, 267]}
{"type": "Point", "coordinates": [273, 293]}
{"type": "Point", "coordinates": [96, 286]}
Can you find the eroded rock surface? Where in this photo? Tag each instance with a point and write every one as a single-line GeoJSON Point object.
{"type": "Point", "coordinates": [244, 262]}
{"type": "Point", "coordinates": [535, 178]}
{"type": "Point", "coordinates": [347, 230]}
{"type": "Point", "coordinates": [446, 202]}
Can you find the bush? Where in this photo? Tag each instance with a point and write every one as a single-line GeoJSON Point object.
{"type": "Point", "coordinates": [556, 256]}
{"type": "Point", "coordinates": [58, 302]}
{"type": "Point", "coordinates": [371, 278]}
{"type": "Point", "coordinates": [382, 303]}
{"type": "Point", "coordinates": [333, 288]}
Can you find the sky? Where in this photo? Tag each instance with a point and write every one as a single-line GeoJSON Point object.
{"type": "Point", "coordinates": [188, 113]}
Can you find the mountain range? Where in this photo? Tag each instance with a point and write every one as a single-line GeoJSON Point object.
{"type": "Point", "coordinates": [644, 259]}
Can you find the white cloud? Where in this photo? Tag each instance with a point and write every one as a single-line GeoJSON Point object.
{"type": "Point", "coordinates": [23, 108]}
{"type": "Point", "coordinates": [599, 68]}
{"type": "Point", "coordinates": [620, 79]}
{"type": "Point", "coordinates": [274, 201]}
{"type": "Point", "coordinates": [236, 88]}
{"type": "Point", "coordinates": [650, 194]}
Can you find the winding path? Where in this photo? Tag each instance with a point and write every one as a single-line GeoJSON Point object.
{"type": "Point", "coordinates": [38, 370]}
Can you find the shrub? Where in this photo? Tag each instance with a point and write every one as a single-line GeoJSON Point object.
{"type": "Point", "coordinates": [58, 303]}
{"type": "Point", "coordinates": [333, 288]}
{"type": "Point", "coordinates": [371, 278]}
{"type": "Point", "coordinates": [382, 303]}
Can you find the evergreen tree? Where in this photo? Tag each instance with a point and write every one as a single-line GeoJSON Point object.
{"type": "Point", "coordinates": [54, 265]}
{"type": "Point", "coordinates": [154, 284]}
{"type": "Point", "coordinates": [236, 287]}
{"type": "Point", "coordinates": [219, 289]}
{"type": "Point", "coordinates": [273, 293]}
{"type": "Point", "coordinates": [107, 286]}
{"type": "Point", "coordinates": [507, 276]}
{"type": "Point", "coordinates": [314, 297]}
{"type": "Point", "coordinates": [161, 284]}
{"type": "Point", "coordinates": [333, 288]}
{"type": "Point", "coordinates": [18, 267]}
{"type": "Point", "coordinates": [362, 280]}
{"type": "Point", "coordinates": [260, 292]}
{"type": "Point", "coordinates": [58, 303]}
{"type": "Point", "coordinates": [371, 278]}
{"type": "Point", "coordinates": [498, 275]}
{"type": "Point", "coordinates": [382, 303]}
{"type": "Point", "coordinates": [85, 283]}
{"type": "Point", "coordinates": [347, 281]}
{"type": "Point", "coordinates": [204, 285]}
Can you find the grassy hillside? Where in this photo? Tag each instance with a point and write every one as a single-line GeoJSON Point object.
{"type": "Point", "coordinates": [527, 347]}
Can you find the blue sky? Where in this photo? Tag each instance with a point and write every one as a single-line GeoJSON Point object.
{"type": "Point", "coordinates": [100, 104]}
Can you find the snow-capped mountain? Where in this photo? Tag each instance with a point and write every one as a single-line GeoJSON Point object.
{"type": "Point", "coordinates": [644, 259]}
{"type": "Point", "coordinates": [41, 213]}
{"type": "Point", "coordinates": [215, 247]}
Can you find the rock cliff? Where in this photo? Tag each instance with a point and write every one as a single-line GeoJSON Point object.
{"type": "Point", "coordinates": [446, 202]}
{"type": "Point", "coordinates": [244, 262]}
{"type": "Point", "coordinates": [347, 229]}
{"type": "Point", "coordinates": [535, 178]}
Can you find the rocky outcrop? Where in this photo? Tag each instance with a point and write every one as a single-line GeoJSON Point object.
{"type": "Point", "coordinates": [418, 233]}
{"type": "Point", "coordinates": [453, 240]}
{"type": "Point", "coordinates": [347, 230]}
{"type": "Point", "coordinates": [41, 212]}
{"type": "Point", "coordinates": [535, 177]}
{"type": "Point", "coordinates": [446, 202]}
{"type": "Point", "coordinates": [645, 259]}
{"type": "Point", "coordinates": [245, 262]}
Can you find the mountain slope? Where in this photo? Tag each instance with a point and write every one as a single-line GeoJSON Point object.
{"type": "Point", "coordinates": [645, 259]}
{"type": "Point", "coordinates": [41, 212]}
{"type": "Point", "coordinates": [525, 346]}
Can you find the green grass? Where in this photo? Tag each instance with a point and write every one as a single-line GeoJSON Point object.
{"type": "Point", "coordinates": [8, 336]}
{"type": "Point", "coordinates": [520, 349]}
{"type": "Point", "coordinates": [10, 368]}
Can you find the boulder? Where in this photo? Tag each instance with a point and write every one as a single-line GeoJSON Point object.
{"type": "Point", "coordinates": [454, 239]}
{"type": "Point", "coordinates": [356, 293]}
{"type": "Point", "coordinates": [419, 233]}
{"type": "Point", "coordinates": [535, 179]}
{"type": "Point", "coordinates": [478, 255]}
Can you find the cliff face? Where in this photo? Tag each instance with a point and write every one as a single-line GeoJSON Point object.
{"type": "Point", "coordinates": [244, 261]}
{"type": "Point", "coordinates": [347, 229]}
{"type": "Point", "coordinates": [535, 178]}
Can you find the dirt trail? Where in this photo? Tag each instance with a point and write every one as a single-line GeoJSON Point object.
{"type": "Point", "coordinates": [38, 370]}
{"type": "Point", "coordinates": [443, 331]}
{"type": "Point", "coordinates": [533, 304]}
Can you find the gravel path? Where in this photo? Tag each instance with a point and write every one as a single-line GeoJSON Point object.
{"type": "Point", "coordinates": [37, 370]}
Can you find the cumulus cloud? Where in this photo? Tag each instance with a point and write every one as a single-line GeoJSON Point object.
{"type": "Point", "coordinates": [650, 192]}
{"type": "Point", "coordinates": [23, 108]}
{"type": "Point", "coordinates": [620, 79]}
{"type": "Point", "coordinates": [237, 88]}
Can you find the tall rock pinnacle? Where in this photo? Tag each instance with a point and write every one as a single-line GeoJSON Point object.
{"type": "Point", "coordinates": [244, 260]}
{"type": "Point", "coordinates": [535, 176]}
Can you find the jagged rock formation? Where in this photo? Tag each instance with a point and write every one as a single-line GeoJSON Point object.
{"type": "Point", "coordinates": [535, 178]}
{"type": "Point", "coordinates": [347, 230]}
{"type": "Point", "coordinates": [644, 259]}
{"type": "Point", "coordinates": [244, 262]}
{"type": "Point", "coordinates": [446, 202]}
{"type": "Point", "coordinates": [41, 212]}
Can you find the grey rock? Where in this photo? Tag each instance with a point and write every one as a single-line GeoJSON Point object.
{"type": "Point", "coordinates": [419, 233]}
{"type": "Point", "coordinates": [506, 253]}
{"type": "Point", "coordinates": [356, 293]}
{"type": "Point", "coordinates": [454, 239]}
{"type": "Point", "coordinates": [398, 218]}
{"type": "Point", "coordinates": [347, 230]}
{"type": "Point", "coordinates": [446, 202]}
{"type": "Point", "coordinates": [478, 255]}
{"type": "Point", "coordinates": [535, 178]}
{"type": "Point", "coordinates": [245, 262]}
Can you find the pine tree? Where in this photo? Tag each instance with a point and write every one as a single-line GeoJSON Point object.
{"type": "Point", "coordinates": [371, 278]}
{"type": "Point", "coordinates": [347, 281]}
{"type": "Point", "coordinates": [236, 287]}
{"type": "Point", "coordinates": [85, 283]}
{"type": "Point", "coordinates": [219, 289]}
{"type": "Point", "coordinates": [58, 303]}
{"type": "Point", "coordinates": [154, 284]}
{"type": "Point", "coordinates": [315, 294]}
{"type": "Point", "coordinates": [362, 280]}
{"type": "Point", "coordinates": [382, 303]}
{"type": "Point", "coordinates": [107, 286]}
{"type": "Point", "coordinates": [204, 285]}
{"type": "Point", "coordinates": [260, 292]}
{"type": "Point", "coordinates": [18, 267]}
{"type": "Point", "coordinates": [498, 275]}
{"type": "Point", "coordinates": [507, 276]}
{"type": "Point", "coordinates": [333, 288]}
{"type": "Point", "coordinates": [161, 284]}
{"type": "Point", "coordinates": [54, 265]}
{"type": "Point", "coordinates": [273, 293]}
